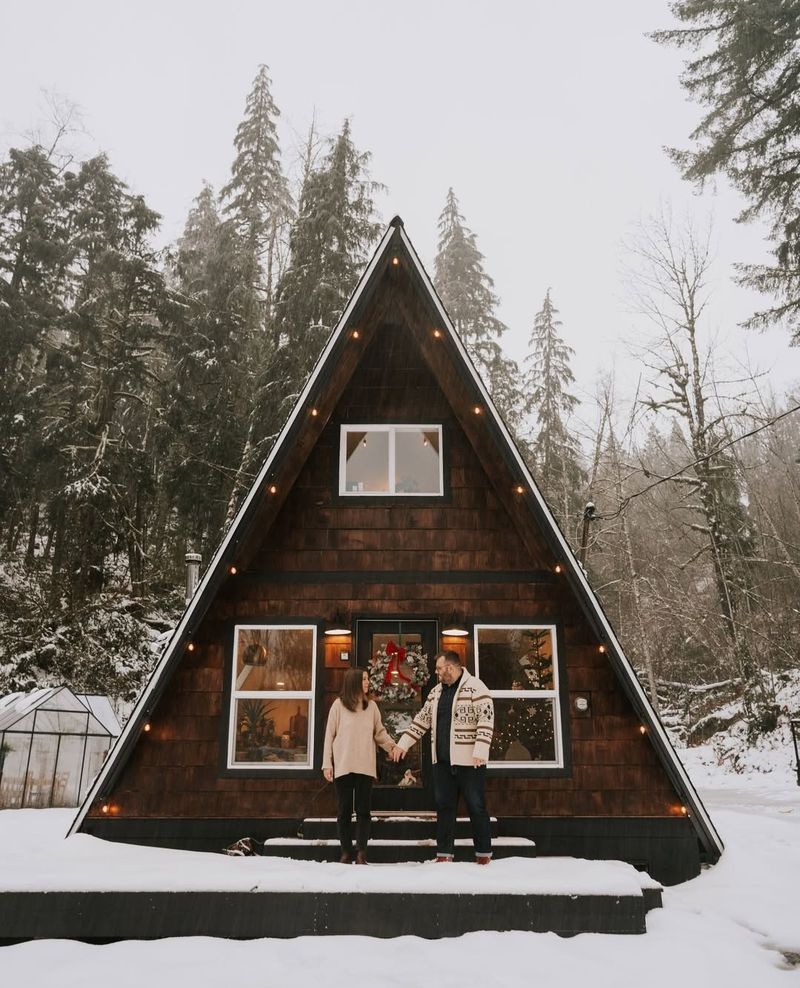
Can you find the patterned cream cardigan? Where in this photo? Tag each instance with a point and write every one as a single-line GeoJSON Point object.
{"type": "Point", "coordinates": [471, 725]}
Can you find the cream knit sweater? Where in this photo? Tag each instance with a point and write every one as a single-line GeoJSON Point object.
{"type": "Point", "coordinates": [350, 739]}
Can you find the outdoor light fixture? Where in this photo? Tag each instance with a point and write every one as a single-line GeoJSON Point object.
{"type": "Point", "coordinates": [477, 409]}
{"type": "Point", "coordinates": [355, 334]}
{"type": "Point", "coordinates": [232, 570]}
{"type": "Point", "coordinates": [273, 489]}
{"type": "Point", "coordinates": [190, 647]}
{"type": "Point", "coordinates": [314, 412]}
{"type": "Point", "coordinates": [338, 624]}
{"type": "Point", "coordinates": [454, 626]}
{"type": "Point", "coordinates": [437, 334]}
{"type": "Point", "coordinates": [557, 568]}
{"type": "Point", "coordinates": [395, 261]}
{"type": "Point", "coordinates": [519, 489]}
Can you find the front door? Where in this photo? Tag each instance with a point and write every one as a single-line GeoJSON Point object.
{"type": "Point", "coordinates": [399, 656]}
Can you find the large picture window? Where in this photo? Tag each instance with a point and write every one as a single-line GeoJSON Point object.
{"type": "Point", "coordinates": [518, 663]}
{"type": "Point", "coordinates": [391, 460]}
{"type": "Point", "coordinates": [272, 696]}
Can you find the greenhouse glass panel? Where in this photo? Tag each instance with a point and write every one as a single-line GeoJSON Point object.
{"type": "Point", "coordinates": [39, 783]}
{"type": "Point", "coordinates": [14, 750]}
{"type": "Point", "coordinates": [62, 721]}
{"type": "Point", "coordinates": [66, 782]}
{"type": "Point", "coordinates": [94, 756]}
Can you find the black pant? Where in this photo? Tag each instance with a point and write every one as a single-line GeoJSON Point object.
{"type": "Point", "coordinates": [353, 789]}
{"type": "Point", "coordinates": [448, 782]}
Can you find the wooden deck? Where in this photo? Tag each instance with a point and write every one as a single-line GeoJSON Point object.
{"type": "Point", "coordinates": [109, 916]}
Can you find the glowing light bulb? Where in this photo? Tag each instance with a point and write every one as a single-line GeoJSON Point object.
{"type": "Point", "coordinates": [273, 489]}
{"type": "Point", "coordinates": [190, 647]}
{"type": "Point", "coordinates": [146, 727]}
{"type": "Point", "coordinates": [233, 571]}
{"type": "Point", "coordinates": [558, 568]}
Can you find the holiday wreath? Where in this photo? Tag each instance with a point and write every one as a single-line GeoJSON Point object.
{"type": "Point", "coordinates": [389, 682]}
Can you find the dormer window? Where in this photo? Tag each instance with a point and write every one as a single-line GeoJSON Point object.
{"type": "Point", "coordinates": [391, 461]}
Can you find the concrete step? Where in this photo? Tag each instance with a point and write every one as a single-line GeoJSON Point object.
{"type": "Point", "coordinates": [391, 851]}
{"type": "Point", "coordinates": [391, 826]}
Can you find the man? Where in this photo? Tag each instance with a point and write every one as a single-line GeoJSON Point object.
{"type": "Point", "coordinates": [460, 716]}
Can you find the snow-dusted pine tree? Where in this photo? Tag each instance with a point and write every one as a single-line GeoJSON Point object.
{"type": "Point", "coordinates": [468, 295]}
{"type": "Point", "coordinates": [257, 197]}
{"type": "Point", "coordinates": [548, 378]}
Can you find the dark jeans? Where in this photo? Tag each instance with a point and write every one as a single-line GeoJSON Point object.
{"type": "Point", "coordinates": [448, 782]}
{"type": "Point", "coordinates": [353, 789]}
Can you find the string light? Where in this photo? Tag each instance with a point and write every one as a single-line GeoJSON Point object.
{"type": "Point", "coordinates": [190, 647]}
{"type": "Point", "coordinates": [601, 649]}
{"type": "Point", "coordinates": [232, 570]}
{"type": "Point", "coordinates": [557, 568]}
{"type": "Point", "coordinates": [355, 334]}
{"type": "Point", "coordinates": [314, 412]}
{"type": "Point", "coordinates": [642, 729]}
{"type": "Point", "coordinates": [519, 489]}
{"type": "Point", "coordinates": [273, 489]}
{"type": "Point", "coordinates": [477, 409]}
{"type": "Point", "coordinates": [437, 334]}
{"type": "Point", "coordinates": [395, 261]}
{"type": "Point", "coordinates": [146, 728]}
{"type": "Point", "coordinates": [105, 808]}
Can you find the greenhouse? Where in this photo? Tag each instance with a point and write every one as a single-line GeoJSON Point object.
{"type": "Point", "coordinates": [52, 744]}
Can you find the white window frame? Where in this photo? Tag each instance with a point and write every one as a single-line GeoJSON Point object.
{"type": "Point", "coordinates": [237, 694]}
{"type": "Point", "coordinates": [553, 694]}
{"type": "Point", "coordinates": [392, 428]}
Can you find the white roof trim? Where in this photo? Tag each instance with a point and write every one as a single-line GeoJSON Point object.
{"type": "Point", "coordinates": [569, 557]}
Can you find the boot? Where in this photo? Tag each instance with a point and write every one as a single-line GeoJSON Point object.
{"type": "Point", "coordinates": [346, 858]}
{"type": "Point", "coordinates": [361, 857]}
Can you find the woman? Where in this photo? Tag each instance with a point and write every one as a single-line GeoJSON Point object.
{"type": "Point", "coordinates": [354, 728]}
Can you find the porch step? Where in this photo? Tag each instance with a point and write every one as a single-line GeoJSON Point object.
{"type": "Point", "coordinates": [393, 851]}
{"type": "Point", "coordinates": [392, 826]}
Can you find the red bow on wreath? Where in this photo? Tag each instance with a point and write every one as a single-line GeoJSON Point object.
{"type": "Point", "coordinates": [396, 656]}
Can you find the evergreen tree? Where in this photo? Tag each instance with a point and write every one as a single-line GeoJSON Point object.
{"type": "Point", "coordinates": [747, 74]}
{"type": "Point", "coordinates": [330, 243]}
{"type": "Point", "coordinates": [548, 377]}
{"type": "Point", "coordinates": [468, 295]}
{"type": "Point", "coordinates": [257, 197]}
{"type": "Point", "coordinates": [209, 393]}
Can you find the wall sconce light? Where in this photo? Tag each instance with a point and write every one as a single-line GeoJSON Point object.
{"type": "Point", "coordinates": [455, 626]}
{"type": "Point", "coordinates": [338, 623]}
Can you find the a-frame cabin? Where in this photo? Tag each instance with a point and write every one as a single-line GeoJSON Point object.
{"type": "Point", "coordinates": [394, 506]}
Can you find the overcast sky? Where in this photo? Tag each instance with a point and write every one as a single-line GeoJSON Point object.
{"type": "Point", "coordinates": [547, 118]}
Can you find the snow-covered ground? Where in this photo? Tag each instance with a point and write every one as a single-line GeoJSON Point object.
{"type": "Point", "coordinates": [736, 926]}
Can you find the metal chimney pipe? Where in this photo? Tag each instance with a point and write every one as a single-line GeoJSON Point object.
{"type": "Point", "coordinates": [192, 573]}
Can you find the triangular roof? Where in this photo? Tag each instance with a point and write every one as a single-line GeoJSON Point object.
{"type": "Point", "coordinates": [15, 707]}
{"type": "Point", "coordinates": [290, 447]}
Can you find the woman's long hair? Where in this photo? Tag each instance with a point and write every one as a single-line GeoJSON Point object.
{"type": "Point", "coordinates": [353, 689]}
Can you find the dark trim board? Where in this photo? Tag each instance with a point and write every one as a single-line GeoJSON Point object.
{"type": "Point", "coordinates": [667, 849]}
{"type": "Point", "coordinates": [394, 577]}
{"type": "Point", "coordinates": [108, 916]}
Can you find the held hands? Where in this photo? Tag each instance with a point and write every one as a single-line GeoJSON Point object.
{"type": "Point", "coordinates": [397, 753]}
{"type": "Point", "coordinates": [478, 762]}
{"type": "Point", "coordinates": [328, 773]}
